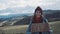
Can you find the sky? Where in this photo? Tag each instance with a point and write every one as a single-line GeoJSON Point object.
{"type": "Point", "coordinates": [44, 4]}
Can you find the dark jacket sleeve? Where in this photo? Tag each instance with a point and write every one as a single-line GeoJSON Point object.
{"type": "Point", "coordinates": [28, 29]}
{"type": "Point", "coordinates": [45, 20]}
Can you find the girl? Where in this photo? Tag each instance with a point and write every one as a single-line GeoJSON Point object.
{"type": "Point", "coordinates": [38, 24]}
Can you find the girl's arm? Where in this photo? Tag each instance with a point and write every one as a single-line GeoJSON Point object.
{"type": "Point", "coordinates": [44, 20]}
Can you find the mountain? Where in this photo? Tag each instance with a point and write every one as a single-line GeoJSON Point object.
{"type": "Point", "coordinates": [22, 19]}
{"type": "Point", "coordinates": [12, 18]}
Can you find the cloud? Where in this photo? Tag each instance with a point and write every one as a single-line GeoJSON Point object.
{"type": "Point", "coordinates": [5, 14]}
{"type": "Point", "coordinates": [23, 3]}
{"type": "Point", "coordinates": [23, 6]}
{"type": "Point", "coordinates": [2, 6]}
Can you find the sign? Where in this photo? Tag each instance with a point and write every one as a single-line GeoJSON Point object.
{"type": "Point", "coordinates": [39, 27]}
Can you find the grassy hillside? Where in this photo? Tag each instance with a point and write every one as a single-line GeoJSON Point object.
{"type": "Point", "coordinates": [56, 27]}
{"type": "Point", "coordinates": [21, 29]}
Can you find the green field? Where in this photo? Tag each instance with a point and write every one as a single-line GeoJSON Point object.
{"type": "Point", "coordinates": [21, 29]}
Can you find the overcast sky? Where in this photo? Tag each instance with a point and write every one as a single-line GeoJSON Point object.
{"type": "Point", "coordinates": [44, 4]}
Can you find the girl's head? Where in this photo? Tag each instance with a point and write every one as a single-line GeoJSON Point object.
{"type": "Point", "coordinates": [37, 15]}
{"type": "Point", "coordinates": [38, 12]}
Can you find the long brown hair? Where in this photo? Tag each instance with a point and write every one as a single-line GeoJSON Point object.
{"type": "Point", "coordinates": [34, 17]}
